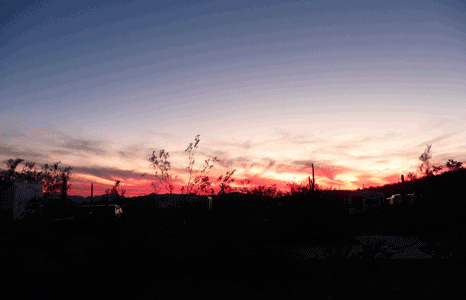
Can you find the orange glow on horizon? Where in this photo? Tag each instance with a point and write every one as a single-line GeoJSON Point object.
{"type": "Point", "coordinates": [143, 186]}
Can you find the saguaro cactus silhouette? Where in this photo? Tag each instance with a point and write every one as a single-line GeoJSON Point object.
{"type": "Point", "coordinates": [312, 183]}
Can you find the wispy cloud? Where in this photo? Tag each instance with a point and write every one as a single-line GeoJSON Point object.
{"type": "Point", "coordinates": [86, 145]}
{"type": "Point", "coordinates": [7, 130]}
{"type": "Point", "coordinates": [270, 164]}
{"type": "Point", "coordinates": [133, 151]}
{"type": "Point", "coordinates": [444, 157]}
{"type": "Point", "coordinates": [106, 172]}
{"type": "Point", "coordinates": [61, 152]}
{"type": "Point", "coordinates": [20, 152]}
{"type": "Point", "coordinates": [246, 145]}
{"type": "Point", "coordinates": [437, 139]}
{"type": "Point", "coordinates": [28, 132]}
{"type": "Point", "coordinates": [155, 133]}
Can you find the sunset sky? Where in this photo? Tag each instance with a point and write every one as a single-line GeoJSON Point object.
{"type": "Point", "coordinates": [358, 88]}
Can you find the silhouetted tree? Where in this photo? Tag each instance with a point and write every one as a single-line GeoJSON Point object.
{"type": "Point", "coordinates": [454, 165]}
{"type": "Point", "coordinates": [163, 164]}
{"type": "Point", "coordinates": [114, 190]}
{"type": "Point", "coordinates": [425, 158]}
{"type": "Point", "coordinates": [225, 183]}
{"type": "Point", "coordinates": [296, 189]}
{"type": "Point", "coordinates": [262, 191]}
{"type": "Point", "coordinates": [114, 193]}
{"type": "Point", "coordinates": [203, 186]}
{"type": "Point", "coordinates": [411, 176]}
{"type": "Point", "coordinates": [436, 169]}
{"type": "Point", "coordinates": [30, 172]}
{"type": "Point", "coordinates": [426, 167]}
{"type": "Point", "coordinates": [10, 174]}
{"type": "Point", "coordinates": [207, 168]}
{"type": "Point", "coordinates": [50, 176]}
{"type": "Point", "coordinates": [202, 182]}
{"type": "Point", "coordinates": [244, 189]}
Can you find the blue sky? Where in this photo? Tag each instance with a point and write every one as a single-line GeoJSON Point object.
{"type": "Point", "coordinates": [356, 88]}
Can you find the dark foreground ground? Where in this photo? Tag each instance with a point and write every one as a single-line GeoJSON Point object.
{"type": "Point", "coordinates": [226, 255]}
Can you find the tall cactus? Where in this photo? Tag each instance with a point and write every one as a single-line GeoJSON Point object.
{"type": "Point", "coordinates": [311, 183]}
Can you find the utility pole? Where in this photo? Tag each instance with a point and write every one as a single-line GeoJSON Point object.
{"type": "Point", "coordinates": [402, 185]}
{"type": "Point", "coordinates": [92, 191]}
{"type": "Point", "coordinates": [63, 196]}
{"type": "Point", "coordinates": [63, 189]}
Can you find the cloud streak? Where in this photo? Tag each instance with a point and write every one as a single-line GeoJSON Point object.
{"type": "Point", "coordinates": [437, 139]}
{"type": "Point", "coordinates": [86, 145]}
